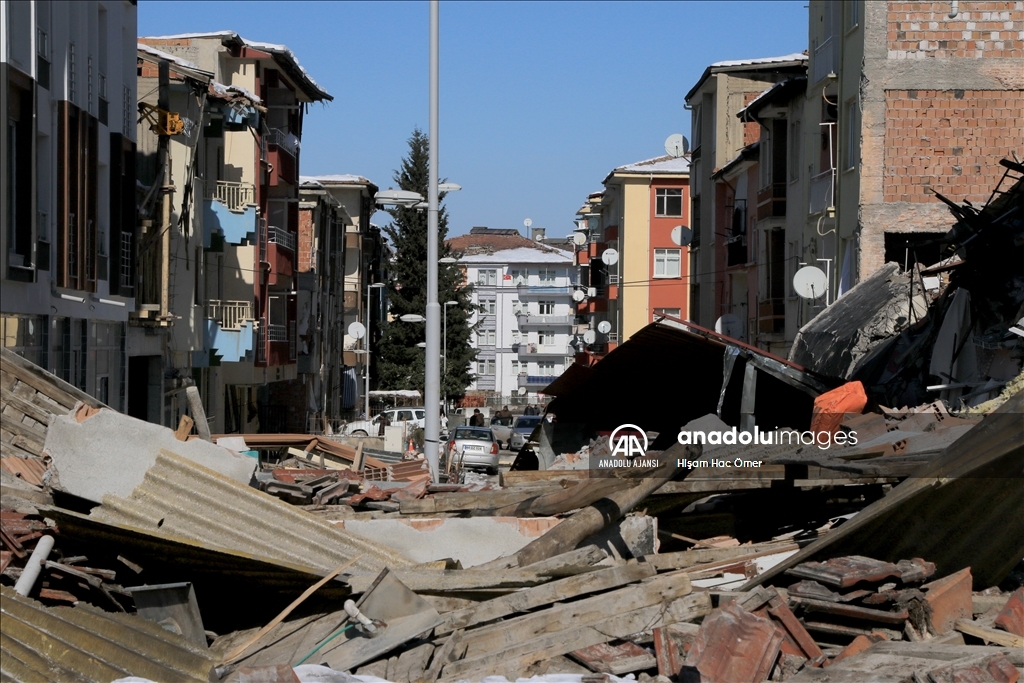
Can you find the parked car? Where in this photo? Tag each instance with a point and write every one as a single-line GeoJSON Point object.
{"type": "Point", "coordinates": [478, 448]}
{"type": "Point", "coordinates": [522, 429]}
{"type": "Point", "coordinates": [502, 428]}
{"type": "Point", "coordinates": [416, 417]}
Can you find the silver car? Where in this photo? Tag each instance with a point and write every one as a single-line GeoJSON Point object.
{"type": "Point", "coordinates": [522, 429]}
{"type": "Point", "coordinates": [502, 428]}
{"type": "Point", "coordinates": [475, 446]}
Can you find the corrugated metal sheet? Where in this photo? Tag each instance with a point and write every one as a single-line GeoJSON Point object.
{"type": "Point", "coordinates": [86, 644]}
{"type": "Point", "coordinates": [179, 498]}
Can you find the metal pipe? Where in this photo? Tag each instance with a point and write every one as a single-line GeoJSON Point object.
{"type": "Point", "coordinates": [432, 365]}
{"type": "Point", "coordinates": [35, 565]}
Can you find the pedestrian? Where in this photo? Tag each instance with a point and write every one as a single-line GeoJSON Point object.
{"type": "Point", "coordinates": [444, 422]}
{"type": "Point", "coordinates": [384, 422]}
{"type": "Point", "coordinates": [528, 410]}
{"type": "Point", "coordinates": [478, 418]}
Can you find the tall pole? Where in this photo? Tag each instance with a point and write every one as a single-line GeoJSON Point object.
{"type": "Point", "coordinates": [366, 347]}
{"type": "Point", "coordinates": [432, 427]}
{"type": "Point", "coordinates": [444, 368]}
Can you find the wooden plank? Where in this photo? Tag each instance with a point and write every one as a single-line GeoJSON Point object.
{"type": "Point", "coordinates": [654, 591]}
{"type": "Point", "coordinates": [448, 580]}
{"type": "Point", "coordinates": [42, 381]}
{"type": "Point", "coordinates": [457, 502]}
{"type": "Point", "coordinates": [519, 478]}
{"type": "Point", "coordinates": [36, 412]}
{"type": "Point", "coordinates": [707, 556]}
{"type": "Point", "coordinates": [519, 656]}
{"type": "Point", "coordinates": [578, 561]}
{"type": "Point", "coordinates": [17, 428]}
{"type": "Point", "coordinates": [851, 611]}
{"type": "Point", "coordinates": [531, 598]}
{"type": "Point", "coordinates": [989, 634]}
{"type": "Point", "coordinates": [442, 655]}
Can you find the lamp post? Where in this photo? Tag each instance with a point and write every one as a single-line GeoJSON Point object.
{"type": "Point", "coordinates": [366, 347]}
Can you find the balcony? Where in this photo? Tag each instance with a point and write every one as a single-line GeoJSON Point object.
{"type": "Point", "coordinates": [822, 192]}
{"type": "Point", "coordinates": [535, 381]}
{"type": "Point", "coordinates": [230, 315]}
{"type": "Point", "coordinates": [284, 140]}
{"type": "Point", "coordinates": [277, 333]}
{"type": "Point", "coordinates": [535, 350]}
{"type": "Point", "coordinates": [825, 59]}
{"type": "Point", "coordinates": [282, 154]}
{"type": "Point", "coordinates": [236, 197]}
{"type": "Point", "coordinates": [542, 289]}
{"type": "Point", "coordinates": [281, 237]}
{"type": "Point", "coordinates": [771, 201]}
{"type": "Point", "coordinates": [528, 319]}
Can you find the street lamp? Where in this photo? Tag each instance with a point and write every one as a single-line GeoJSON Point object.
{"type": "Point", "coordinates": [412, 318]}
{"type": "Point", "coordinates": [398, 198]}
{"type": "Point", "coordinates": [445, 370]}
{"type": "Point", "coordinates": [376, 285]}
{"type": "Point", "coordinates": [448, 259]}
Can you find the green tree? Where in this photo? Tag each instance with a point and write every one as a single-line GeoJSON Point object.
{"type": "Point", "coordinates": [400, 363]}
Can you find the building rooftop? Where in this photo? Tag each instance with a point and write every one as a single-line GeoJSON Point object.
{"type": "Point", "coordinates": [781, 92]}
{"type": "Point", "coordinates": [500, 245]}
{"type": "Point", "coordinates": [334, 179]}
{"type": "Point", "coordinates": [282, 54]}
{"type": "Point", "coordinates": [664, 165]}
{"type": "Point", "coordinates": [793, 61]}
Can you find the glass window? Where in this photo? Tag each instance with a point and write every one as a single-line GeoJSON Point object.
{"type": "Point", "coordinates": [546, 276]}
{"type": "Point", "coordinates": [666, 262]}
{"type": "Point", "coordinates": [487, 277]}
{"type": "Point", "coordinates": [485, 367]}
{"type": "Point", "coordinates": [851, 122]}
{"type": "Point", "coordinates": [546, 369]}
{"type": "Point", "coordinates": [668, 201]}
{"type": "Point", "coordinates": [674, 312]}
{"type": "Point", "coordinates": [485, 337]}
{"type": "Point", "coordinates": [546, 307]}
{"type": "Point", "coordinates": [420, 414]}
{"type": "Point", "coordinates": [404, 415]}
{"type": "Point", "coordinates": [546, 337]}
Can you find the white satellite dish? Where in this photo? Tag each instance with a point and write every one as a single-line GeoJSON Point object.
{"type": "Point", "coordinates": [604, 327]}
{"type": "Point", "coordinates": [610, 257]}
{"type": "Point", "coordinates": [357, 330]}
{"type": "Point", "coordinates": [528, 222]}
{"type": "Point", "coordinates": [579, 238]}
{"type": "Point", "coordinates": [682, 235]}
{"type": "Point", "coordinates": [810, 282]}
{"type": "Point", "coordinates": [579, 295]}
{"type": "Point", "coordinates": [590, 336]}
{"type": "Point", "coordinates": [521, 391]}
{"type": "Point", "coordinates": [730, 325]}
{"type": "Point", "coordinates": [677, 145]}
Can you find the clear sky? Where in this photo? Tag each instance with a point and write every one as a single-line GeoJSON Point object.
{"type": "Point", "coordinates": [539, 100]}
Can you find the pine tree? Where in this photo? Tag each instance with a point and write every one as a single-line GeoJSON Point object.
{"type": "Point", "coordinates": [399, 362]}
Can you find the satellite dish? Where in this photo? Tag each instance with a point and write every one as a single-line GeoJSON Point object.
{"type": "Point", "coordinates": [521, 391]}
{"type": "Point", "coordinates": [579, 295]}
{"type": "Point", "coordinates": [579, 238]}
{"type": "Point", "coordinates": [730, 325]}
{"type": "Point", "coordinates": [677, 145]}
{"type": "Point", "coordinates": [682, 235]}
{"type": "Point", "coordinates": [604, 327]}
{"type": "Point", "coordinates": [810, 282]}
{"type": "Point", "coordinates": [610, 257]}
{"type": "Point", "coordinates": [590, 336]}
{"type": "Point", "coordinates": [357, 330]}
{"type": "Point", "coordinates": [528, 222]}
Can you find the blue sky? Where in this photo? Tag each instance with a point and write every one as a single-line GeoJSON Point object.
{"type": "Point", "coordinates": [539, 100]}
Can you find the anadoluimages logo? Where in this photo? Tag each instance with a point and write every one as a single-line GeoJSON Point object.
{"type": "Point", "coordinates": [625, 441]}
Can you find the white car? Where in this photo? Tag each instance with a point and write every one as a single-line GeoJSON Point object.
{"type": "Point", "coordinates": [416, 417]}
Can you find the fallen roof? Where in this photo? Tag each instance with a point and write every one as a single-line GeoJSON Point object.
{"type": "Point", "coordinates": [960, 510]}
{"type": "Point", "coordinates": [526, 250]}
{"type": "Point", "coordinates": [281, 53]}
{"type": "Point", "coordinates": [180, 498]}
{"type": "Point", "coordinates": [791, 62]}
{"type": "Point", "coordinates": [304, 442]}
{"type": "Point", "coordinates": [84, 643]}
{"type": "Point", "coordinates": [520, 255]}
{"type": "Point", "coordinates": [191, 69]}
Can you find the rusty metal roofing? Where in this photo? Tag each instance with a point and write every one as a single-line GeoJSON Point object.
{"type": "Point", "coordinates": [180, 498]}
{"type": "Point", "coordinates": [83, 643]}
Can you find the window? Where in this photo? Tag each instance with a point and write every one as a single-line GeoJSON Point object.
{"type": "Point", "coordinates": [546, 369]}
{"type": "Point", "coordinates": [403, 416]}
{"type": "Point", "coordinates": [485, 338]}
{"type": "Point", "coordinates": [546, 276]}
{"type": "Point", "coordinates": [851, 122]}
{"type": "Point", "coordinates": [546, 338]}
{"type": "Point", "coordinates": [485, 367]}
{"type": "Point", "coordinates": [517, 368]}
{"type": "Point", "coordinates": [668, 202]}
{"type": "Point", "coordinates": [488, 306]}
{"type": "Point", "coordinates": [487, 277]}
{"type": "Point", "coordinates": [515, 337]}
{"type": "Point", "coordinates": [666, 262]}
{"type": "Point", "coordinates": [674, 312]}
{"type": "Point", "coordinates": [517, 276]}
{"type": "Point", "coordinates": [546, 307]}
{"type": "Point", "coordinates": [42, 58]}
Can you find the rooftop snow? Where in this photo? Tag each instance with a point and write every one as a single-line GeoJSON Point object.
{"type": "Point", "coordinates": [341, 178]}
{"type": "Point", "coordinates": [662, 164]}
{"type": "Point", "coordinates": [229, 90]}
{"type": "Point", "coordinates": [520, 255]}
{"type": "Point", "coordinates": [795, 57]}
{"type": "Point", "coordinates": [160, 54]}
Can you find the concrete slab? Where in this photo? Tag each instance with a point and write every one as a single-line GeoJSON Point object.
{"type": "Point", "coordinates": [478, 540]}
{"type": "Point", "coordinates": [109, 453]}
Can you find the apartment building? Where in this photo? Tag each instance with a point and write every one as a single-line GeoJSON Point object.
{"type": "Point", "coordinates": [525, 319]}
{"type": "Point", "coordinates": [244, 278]}
{"type": "Point", "coordinates": [67, 203]}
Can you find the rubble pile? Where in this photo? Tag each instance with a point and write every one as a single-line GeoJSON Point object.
{"type": "Point", "coordinates": [888, 547]}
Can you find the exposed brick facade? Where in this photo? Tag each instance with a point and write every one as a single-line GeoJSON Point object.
{"type": "Point", "coordinates": [751, 129]}
{"type": "Point", "coordinates": [981, 30]}
{"type": "Point", "coordinates": [305, 240]}
{"type": "Point", "coordinates": [948, 141]}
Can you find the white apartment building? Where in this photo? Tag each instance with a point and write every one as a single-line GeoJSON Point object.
{"type": "Point", "coordinates": [524, 324]}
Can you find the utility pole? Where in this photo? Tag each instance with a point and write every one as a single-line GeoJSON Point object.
{"type": "Point", "coordinates": [432, 427]}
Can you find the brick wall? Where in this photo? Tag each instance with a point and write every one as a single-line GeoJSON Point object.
{"type": "Point", "coordinates": [949, 141]}
{"type": "Point", "coordinates": [305, 240]}
{"type": "Point", "coordinates": [981, 29]}
{"type": "Point", "coordinates": [751, 130]}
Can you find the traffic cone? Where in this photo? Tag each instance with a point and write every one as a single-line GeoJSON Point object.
{"type": "Point", "coordinates": [411, 450]}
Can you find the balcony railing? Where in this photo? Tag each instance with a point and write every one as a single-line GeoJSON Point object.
{"type": "Point", "coordinates": [527, 319]}
{"type": "Point", "coordinates": [771, 201]}
{"type": "Point", "coordinates": [230, 315]}
{"type": "Point", "coordinates": [284, 140]}
{"type": "Point", "coordinates": [277, 333]}
{"type": "Point", "coordinates": [261, 341]}
{"type": "Point", "coordinates": [825, 59]}
{"type": "Point", "coordinates": [535, 380]}
{"type": "Point", "coordinates": [533, 349]}
{"type": "Point", "coordinates": [235, 196]}
{"type": "Point", "coordinates": [543, 289]}
{"type": "Point", "coordinates": [281, 237]}
{"type": "Point", "coordinates": [262, 239]}
{"type": "Point", "coordinates": [822, 192]}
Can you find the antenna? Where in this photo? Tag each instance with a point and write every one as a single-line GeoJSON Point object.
{"type": "Point", "coordinates": [677, 145]}
{"type": "Point", "coordinates": [610, 257]}
{"type": "Point", "coordinates": [682, 235]}
{"type": "Point", "coordinates": [521, 391]}
{"type": "Point", "coordinates": [810, 282]}
{"type": "Point", "coordinates": [357, 330]}
{"type": "Point", "coordinates": [579, 238]}
{"type": "Point", "coordinates": [528, 222]}
{"type": "Point", "coordinates": [589, 336]}
{"type": "Point", "coordinates": [604, 327]}
{"type": "Point", "coordinates": [730, 325]}
{"type": "Point", "coordinates": [579, 295]}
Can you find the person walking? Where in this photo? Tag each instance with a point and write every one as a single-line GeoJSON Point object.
{"type": "Point", "coordinates": [478, 418]}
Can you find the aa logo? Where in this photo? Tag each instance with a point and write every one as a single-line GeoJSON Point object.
{"type": "Point", "coordinates": [628, 441]}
